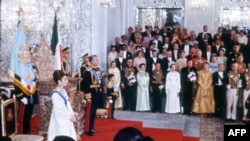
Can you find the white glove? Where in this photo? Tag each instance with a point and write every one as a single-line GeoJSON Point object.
{"type": "Point", "coordinates": [110, 101]}
{"type": "Point", "coordinates": [24, 100]}
{"type": "Point", "coordinates": [228, 86]}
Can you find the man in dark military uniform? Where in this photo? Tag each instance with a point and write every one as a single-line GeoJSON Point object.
{"type": "Point", "coordinates": [65, 62]}
{"type": "Point", "coordinates": [129, 85]}
{"type": "Point", "coordinates": [157, 88]}
{"type": "Point", "coordinates": [91, 87]}
{"type": "Point", "coordinates": [85, 65]}
{"type": "Point", "coordinates": [232, 56]}
{"type": "Point", "coordinates": [111, 95]}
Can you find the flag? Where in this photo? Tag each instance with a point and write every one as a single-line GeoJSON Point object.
{"type": "Point", "coordinates": [21, 71]}
{"type": "Point", "coordinates": [56, 46]}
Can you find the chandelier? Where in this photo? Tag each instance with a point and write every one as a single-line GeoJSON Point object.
{"type": "Point", "coordinates": [236, 16]}
{"type": "Point", "coordinates": [234, 13]}
{"type": "Point", "coordinates": [108, 3]}
{"type": "Point", "coordinates": [199, 5]}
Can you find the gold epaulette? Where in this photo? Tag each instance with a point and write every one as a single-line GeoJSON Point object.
{"type": "Point", "coordinates": [109, 97]}
{"type": "Point", "coordinates": [87, 96]}
{"type": "Point", "coordinates": [95, 86]}
{"type": "Point", "coordinates": [88, 69]}
{"type": "Point", "coordinates": [19, 95]}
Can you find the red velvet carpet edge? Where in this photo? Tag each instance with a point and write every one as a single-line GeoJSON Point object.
{"type": "Point", "coordinates": [108, 128]}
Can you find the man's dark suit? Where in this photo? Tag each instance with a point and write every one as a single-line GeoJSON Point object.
{"type": "Point", "coordinates": [215, 50]}
{"type": "Point", "coordinates": [205, 55]}
{"type": "Point", "coordinates": [120, 65]}
{"type": "Point", "coordinates": [128, 55]}
{"type": "Point", "coordinates": [177, 55]}
{"type": "Point", "coordinates": [231, 58]}
{"type": "Point", "coordinates": [220, 93]}
{"type": "Point", "coordinates": [159, 44]}
{"type": "Point", "coordinates": [200, 37]}
{"type": "Point", "coordinates": [150, 62]}
{"type": "Point", "coordinates": [148, 53]}
{"type": "Point", "coordinates": [165, 64]}
{"type": "Point", "coordinates": [182, 47]}
{"type": "Point", "coordinates": [163, 45]}
{"type": "Point", "coordinates": [187, 88]}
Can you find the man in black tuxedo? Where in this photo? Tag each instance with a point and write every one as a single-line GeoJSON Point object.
{"type": "Point", "coordinates": [145, 49]}
{"type": "Point", "coordinates": [176, 51]}
{"type": "Point", "coordinates": [152, 61]}
{"type": "Point", "coordinates": [208, 53]}
{"type": "Point", "coordinates": [165, 63]}
{"type": "Point", "coordinates": [186, 46]}
{"type": "Point", "coordinates": [201, 34]}
{"type": "Point", "coordinates": [166, 44]}
{"type": "Point", "coordinates": [231, 57]}
{"type": "Point", "coordinates": [216, 48]}
{"type": "Point", "coordinates": [152, 47]}
{"type": "Point", "coordinates": [126, 54]}
{"type": "Point", "coordinates": [187, 86]}
{"type": "Point", "coordinates": [120, 61]}
{"type": "Point", "coordinates": [165, 32]}
{"type": "Point", "coordinates": [220, 80]}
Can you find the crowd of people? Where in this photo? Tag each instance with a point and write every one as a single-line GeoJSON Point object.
{"type": "Point", "coordinates": [168, 71]}
{"type": "Point", "coordinates": [171, 70]}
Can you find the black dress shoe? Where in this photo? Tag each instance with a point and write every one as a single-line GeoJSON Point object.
{"type": "Point", "coordinates": [94, 131]}
{"type": "Point", "coordinates": [89, 133]}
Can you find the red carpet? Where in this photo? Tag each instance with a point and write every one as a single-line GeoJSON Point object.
{"type": "Point", "coordinates": [108, 128]}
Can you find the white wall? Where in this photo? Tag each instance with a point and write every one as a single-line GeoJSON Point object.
{"type": "Point", "coordinates": [195, 20]}
{"type": "Point", "coordinates": [108, 23]}
{"type": "Point", "coordinates": [99, 33]}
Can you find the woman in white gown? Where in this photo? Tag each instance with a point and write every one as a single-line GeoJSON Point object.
{"type": "Point", "coordinates": [142, 102]}
{"type": "Point", "coordinates": [62, 114]}
{"type": "Point", "coordinates": [172, 87]}
{"type": "Point", "coordinates": [114, 70]}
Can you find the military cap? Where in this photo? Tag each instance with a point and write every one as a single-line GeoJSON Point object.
{"type": "Point", "coordinates": [65, 50]}
{"type": "Point", "coordinates": [85, 55]}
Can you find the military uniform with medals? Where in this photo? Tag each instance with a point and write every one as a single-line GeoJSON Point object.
{"type": "Point", "coordinates": [111, 96]}
{"type": "Point", "coordinates": [235, 83]}
{"type": "Point", "coordinates": [91, 87]}
{"type": "Point", "coordinates": [65, 64]}
{"type": "Point", "coordinates": [83, 68]}
{"type": "Point", "coordinates": [157, 85]}
{"type": "Point", "coordinates": [129, 86]}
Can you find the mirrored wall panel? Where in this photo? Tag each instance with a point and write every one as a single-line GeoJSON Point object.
{"type": "Point", "coordinates": [159, 17]}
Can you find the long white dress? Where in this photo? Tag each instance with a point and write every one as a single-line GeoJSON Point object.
{"type": "Point", "coordinates": [60, 123]}
{"type": "Point", "coordinates": [172, 86]}
{"type": "Point", "coordinates": [142, 102]}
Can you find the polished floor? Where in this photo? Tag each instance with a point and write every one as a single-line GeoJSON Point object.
{"type": "Point", "coordinates": [207, 128]}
